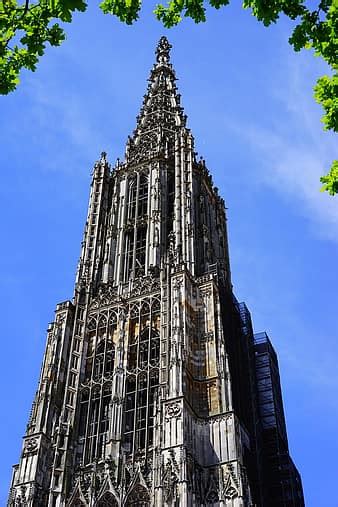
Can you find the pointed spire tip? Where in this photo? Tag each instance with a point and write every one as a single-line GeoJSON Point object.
{"type": "Point", "coordinates": [163, 51]}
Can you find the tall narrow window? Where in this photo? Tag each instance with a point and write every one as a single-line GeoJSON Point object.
{"type": "Point", "coordinates": [142, 206]}
{"type": "Point", "coordinates": [109, 360]}
{"type": "Point", "coordinates": [83, 412]}
{"type": "Point", "coordinates": [132, 196]}
{"type": "Point", "coordinates": [96, 395]}
{"type": "Point", "coordinates": [140, 252]}
{"type": "Point", "coordinates": [99, 361]}
{"type": "Point", "coordinates": [170, 201]}
{"type": "Point", "coordinates": [91, 443]}
{"type": "Point", "coordinates": [135, 236]}
{"type": "Point", "coordinates": [104, 420]}
{"type": "Point", "coordinates": [142, 377]}
{"type": "Point", "coordinates": [129, 254]}
{"type": "Point", "coordinates": [91, 334]}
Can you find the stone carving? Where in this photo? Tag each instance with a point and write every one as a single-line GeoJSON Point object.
{"type": "Point", "coordinates": [117, 399]}
{"type": "Point", "coordinates": [107, 500]}
{"type": "Point", "coordinates": [146, 147]}
{"type": "Point", "coordinates": [31, 445]}
{"type": "Point", "coordinates": [106, 296]}
{"type": "Point", "coordinates": [85, 484]}
{"type": "Point", "coordinates": [156, 215]}
{"type": "Point", "coordinates": [207, 337]}
{"type": "Point", "coordinates": [212, 495]}
{"type": "Point", "coordinates": [20, 497]}
{"type": "Point", "coordinates": [172, 410]}
{"type": "Point", "coordinates": [138, 496]}
{"type": "Point", "coordinates": [170, 480]}
{"type": "Point", "coordinates": [174, 253]}
{"type": "Point", "coordinates": [85, 279]}
{"type": "Point", "coordinates": [230, 482]}
{"type": "Point", "coordinates": [111, 469]}
{"type": "Point", "coordinates": [146, 284]}
{"type": "Point", "coordinates": [177, 283]}
{"type": "Point", "coordinates": [229, 489]}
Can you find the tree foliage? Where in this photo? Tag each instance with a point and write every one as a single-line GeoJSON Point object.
{"type": "Point", "coordinates": [26, 28]}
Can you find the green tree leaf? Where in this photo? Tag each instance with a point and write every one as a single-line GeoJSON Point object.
{"type": "Point", "coordinates": [331, 180]}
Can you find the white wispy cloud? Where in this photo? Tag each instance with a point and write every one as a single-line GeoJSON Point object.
{"type": "Point", "coordinates": [61, 112]}
{"type": "Point", "coordinates": [295, 170]}
{"type": "Point", "coordinates": [294, 151]}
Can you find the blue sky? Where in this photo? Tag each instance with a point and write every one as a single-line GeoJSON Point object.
{"type": "Point", "coordinates": [249, 103]}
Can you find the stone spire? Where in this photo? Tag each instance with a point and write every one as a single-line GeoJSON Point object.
{"type": "Point", "coordinates": [153, 390]}
{"type": "Point", "coordinates": [161, 114]}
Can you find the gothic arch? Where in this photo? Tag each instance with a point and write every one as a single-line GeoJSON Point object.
{"type": "Point", "coordinates": [145, 307]}
{"type": "Point", "coordinates": [107, 500]}
{"type": "Point", "coordinates": [113, 318]}
{"type": "Point", "coordinates": [102, 321]}
{"type": "Point", "coordinates": [99, 361]}
{"type": "Point", "coordinates": [76, 499]}
{"type": "Point", "coordinates": [134, 311]}
{"type": "Point", "coordinates": [77, 503]}
{"type": "Point", "coordinates": [156, 304]}
{"type": "Point", "coordinates": [138, 497]}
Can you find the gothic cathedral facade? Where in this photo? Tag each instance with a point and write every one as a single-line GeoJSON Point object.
{"type": "Point", "coordinates": [149, 393]}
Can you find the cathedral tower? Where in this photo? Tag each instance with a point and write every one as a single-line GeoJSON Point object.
{"type": "Point", "coordinates": [148, 393]}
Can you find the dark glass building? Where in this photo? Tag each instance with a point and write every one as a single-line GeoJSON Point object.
{"type": "Point", "coordinates": [283, 486]}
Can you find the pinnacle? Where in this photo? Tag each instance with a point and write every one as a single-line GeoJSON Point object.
{"type": "Point", "coordinates": [163, 51]}
{"type": "Point", "coordinates": [161, 107]}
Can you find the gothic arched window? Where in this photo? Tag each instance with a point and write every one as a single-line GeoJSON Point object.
{"type": "Point", "coordinates": [99, 361]}
{"type": "Point", "coordinates": [102, 328]}
{"type": "Point", "coordinates": [104, 419]}
{"type": "Point", "coordinates": [135, 235]}
{"type": "Point", "coordinates": [110, 357]}
{"type": "Point", "coordinates": [93, 422]}
{"type": "Point", "coordinates": [98, 421]}
{"type": "Point", "coordinates": [143, 377]}
{"type": "Point", "coordinates": [132, 197]}
{"type": "Point", "coordinates": [97, 389]}
{"type": "Point", "coordinates": [170, 201]}
{"type": "Point", "coordinates": [103, 362]}
{"type": "Point", "coordinates": [129, 241]}
{"type": "Point", "coordinates": [140, 250]}
{"type": "Point", "coordinates": [112, 325]}
{"type": "Point", "coordinates": [142, 204]}
{"type": "Point", "coordinates": [143, 348]}
{"type": "Point", "coordinates": [91, 334]}
{"type": "Point", "coordinates": [84, 400]}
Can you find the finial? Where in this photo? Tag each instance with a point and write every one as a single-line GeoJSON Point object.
{"type": "Point", "coordinates": [163, 50]}
{"type": "Point", "coordinates": [103, 157]}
